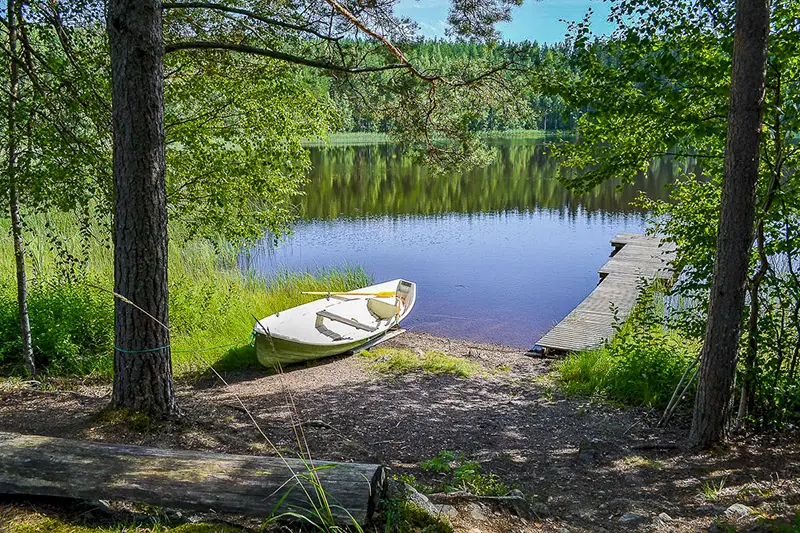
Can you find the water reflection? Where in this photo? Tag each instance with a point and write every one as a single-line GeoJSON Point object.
{"type": "Point", "coordinates": [384, 180]}
{"type": "Point", "coordinates": [499, 254]}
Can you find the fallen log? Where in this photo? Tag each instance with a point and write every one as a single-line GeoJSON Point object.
{"type": "Point", "coordinates": [235, 484]}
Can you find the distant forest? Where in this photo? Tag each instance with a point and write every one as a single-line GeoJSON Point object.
{"type": "Point", "coordinates": [356, 104]}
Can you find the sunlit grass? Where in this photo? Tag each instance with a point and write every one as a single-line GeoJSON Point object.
{"type": "Point", "coordinates": [396, 361]}
{"type": "Point", "coordinates": [212, 303]}
{"type": "Point", "coordinates": [641, 365]}
{"type": "Point", "coordinates": [637, 461]}
{"type": "Point", "coordinates": [18, 520]}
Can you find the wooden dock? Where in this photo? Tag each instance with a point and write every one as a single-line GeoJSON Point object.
{"type": "Point", "coordinates": [634, 257]}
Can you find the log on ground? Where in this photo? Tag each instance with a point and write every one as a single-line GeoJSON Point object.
{"type": "Point", "coordinates": [235, 484]}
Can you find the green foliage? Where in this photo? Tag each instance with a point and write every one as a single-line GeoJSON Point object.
{"type": "Point", "coordinates": [440, 463]}
{"type": "Point", "coordinates": [661, 86]}
{"type": "Point", "coordinates": [234, 129]}
{"type": "Point", "coordinates": [529, 110]}
{"type": "Point", "coordinates": [72, 327]}
{"type": "Point", "coordinates": [641, 365]}
{"type": "Point", "coordinates": [463, 475]}
{"type": "Point", "coordinates": [211, 309]}
{"type": "Point", "coordinates": [585, 372]}
{"type": "Point", "coordinates": [396, 361]}
{"type": "Point", "coordinates": [62, 114]}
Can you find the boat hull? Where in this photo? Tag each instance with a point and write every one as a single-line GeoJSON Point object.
{"type": "Point", "coordinates": [272, 350]}
{"type": "Point", "coordinates": [333, 325]}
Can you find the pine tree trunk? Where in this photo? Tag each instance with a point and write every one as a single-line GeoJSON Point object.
{"type": "Point", "coordinates": [718, 369]}
{"type": "Point", "coordinates": [16, 220]}
{"type": "Point", "coordinates": [142, 363]}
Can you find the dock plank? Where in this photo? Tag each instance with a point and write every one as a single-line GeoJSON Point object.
{"type": "Point", "coordinates": [636, 258]}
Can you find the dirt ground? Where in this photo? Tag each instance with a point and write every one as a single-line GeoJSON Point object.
{"type": "Point", "coordinates": [587, 466]}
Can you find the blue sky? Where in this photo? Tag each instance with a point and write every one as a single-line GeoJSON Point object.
{"type": "Point", "coordinates": [534, 21]}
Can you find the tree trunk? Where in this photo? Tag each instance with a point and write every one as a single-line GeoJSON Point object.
{"type": "Point", "coordinates": [142, 364]}
{"type": "Point", "coordinates": [718, 369]}
{"type": "Point", "coordinates": [344, 493]}
{"type": "Point", "coordinates": [16, 221]}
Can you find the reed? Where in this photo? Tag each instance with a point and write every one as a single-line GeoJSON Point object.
{"type": "Point", "coordinates": [211, 300]}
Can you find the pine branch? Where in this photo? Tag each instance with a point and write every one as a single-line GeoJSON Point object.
{"type": "Point", "coordinates": [250, 14]}
{"type": "Point", "coordinates": [210, 45]}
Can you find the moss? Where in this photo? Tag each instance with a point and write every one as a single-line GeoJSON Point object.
{"type": "Point", "coordinates": [204, 528]}
{"type": "Point", "coordinates": [32, 522]}
{"type": "Point", "coordinates": [403, 517]}
{"type": "Point", "coordinates": [637, 461]}
{"type": "Point", "coordinates": [133, 420]}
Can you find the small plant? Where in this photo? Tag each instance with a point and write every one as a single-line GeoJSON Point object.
{"type": "Point", "coordinates": [409, 479]}
{"type": "Point", "coordinates": [468, 477]}
{"type": "Point", "coordinates": [463, 475]}
{"type": "Point", "coordinates": [712, 490]}
{"type": "Point", "coordinates": [441, 463]}
{"type": "Point", "coordinates": [722, 525]}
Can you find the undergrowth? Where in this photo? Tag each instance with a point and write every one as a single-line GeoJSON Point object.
{"type": "Point", "coordinates": [458, 474]}
{"type": "Point", "coordinates": [641, 365]}
{"type": "Point", "coordinates": [35, 522]}
{"type": "Point", "coordinates": [397, 361]}
{"type": "Point", "coordinates": [212, 303]}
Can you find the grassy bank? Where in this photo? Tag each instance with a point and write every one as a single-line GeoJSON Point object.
{"type": "Point", "coordinates": [212, 303]}
{"type": "Point", "coordinates": [641, 365]}
{"type": "Point", "coordinates": [364, 138]}
{"type": "Point", "coordinates": [524, 134]}
{"type": "Point", "coordinates": [351, 139]}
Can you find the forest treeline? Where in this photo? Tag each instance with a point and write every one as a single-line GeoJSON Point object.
{"type": "Point", "coordinates": [534, 109]}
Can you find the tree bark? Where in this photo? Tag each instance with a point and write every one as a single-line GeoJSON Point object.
{"type": "Point", "coordinates": [142, 364]}
{"type": "Point", "coordinates": [713, 402]}
{"type": "Point", "coordinates": [16, 220]}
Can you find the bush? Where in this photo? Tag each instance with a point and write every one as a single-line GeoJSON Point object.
{"type": "Point", "coordinates": [72, 328]}
{"type": "Point", "coordinates": [641, 365]}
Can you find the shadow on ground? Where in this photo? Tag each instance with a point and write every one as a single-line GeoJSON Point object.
{"type": "Point", "coordinates": [588, 463]}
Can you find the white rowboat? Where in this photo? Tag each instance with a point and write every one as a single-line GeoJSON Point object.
{"type": "Point", "coordinates": [332, 325]}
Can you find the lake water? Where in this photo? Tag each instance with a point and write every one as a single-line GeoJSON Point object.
{"type": "Point", "coordinates": [499, 254]}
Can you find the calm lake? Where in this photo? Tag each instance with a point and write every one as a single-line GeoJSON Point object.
{"type": "Point", "coordinates": [498, 254]}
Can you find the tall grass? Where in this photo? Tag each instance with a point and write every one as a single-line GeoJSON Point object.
{"type": "Point", "coordinates": [212, 303]}
{"type": "Point", "coordinates": [641, 365]}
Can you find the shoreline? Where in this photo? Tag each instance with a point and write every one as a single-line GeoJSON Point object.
{"type": "Point", "coordinates": [583, 464]}
{"type": "Point", "coordinates": [356, 138]}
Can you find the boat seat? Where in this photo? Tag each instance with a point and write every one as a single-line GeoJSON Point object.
{"type": "Point", "coordinates": [338, 318]}
{"type": "Point", "coordinates": [381, 308]}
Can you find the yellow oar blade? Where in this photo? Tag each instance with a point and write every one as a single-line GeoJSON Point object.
{"type": "Point", "coordinates": [380, 294]}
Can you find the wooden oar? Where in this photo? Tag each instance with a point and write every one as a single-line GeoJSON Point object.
{"type": "Point", "coordinates": [380, 294]}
